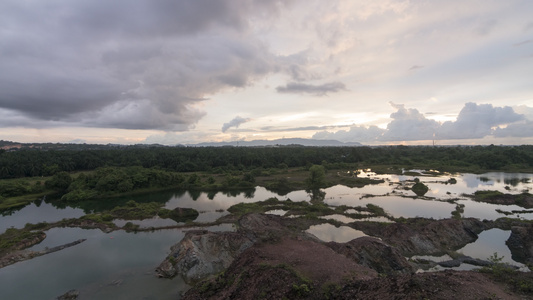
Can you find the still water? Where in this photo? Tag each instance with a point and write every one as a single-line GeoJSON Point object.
{"type": "Point", "coordinates": [120, 265]}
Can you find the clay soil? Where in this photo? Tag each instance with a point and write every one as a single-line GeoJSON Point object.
{"type": "Point", "coordinates": [304, 269]}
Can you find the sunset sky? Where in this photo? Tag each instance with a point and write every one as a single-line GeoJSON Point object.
{"type": "Point", "coordinates": [375, 72]}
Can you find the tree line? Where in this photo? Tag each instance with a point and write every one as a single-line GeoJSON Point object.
{"type": "Point", "coordinates": [38, 162]}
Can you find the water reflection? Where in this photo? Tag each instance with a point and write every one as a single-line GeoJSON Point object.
{"type": "Point", "coordinates": [330, 233]}
{"type": "Point", "coordinates": [340, 218]}
{"type": "Point", "coordinates": [147, 223]}
{"type": "Point", "coordinates": [33, 213]}
{"type": "Point", "coordinates": [212, 207]}
{"type": "Point", "coordinates": [395, 206]}
{"type": "Point", "coordinates": [490, 242]}
{"type": "Point", "coordinates": [487, 211]}
{"type": "Point", "coordinates": [105, 266]}
{"type": "Point", "coordinates": [127, 259]}
{"type": "Point", "coordinates": [278, 212]}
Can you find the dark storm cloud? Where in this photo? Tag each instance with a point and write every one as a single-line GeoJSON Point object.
{"type": "Point", "coordinates": [317, 90]}
{"type": "Point", "coordinates": [126, 64]}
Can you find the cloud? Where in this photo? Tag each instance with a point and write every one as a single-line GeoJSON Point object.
{"type": "Point", "coordinates": [486, 27]}
{"type": "Point", "coordinates": [415, 67]}
{"type": "Point", "coordinates": [356, 133]}
{"type": "Point", "coordinates": [523, 43]}
{"type": "Point", "coordinates": [317, 90]}
{"type": "Point", "coordinates": [408, 125]}
{"type": "Point", "coordinates": [123, 64]}
{"type": "Point", "coordinates": [477, 121]}
{"type": "Point", "coordinates": [522, 129]}
{"type": "Point", "coordinates": [473, 122]}
{"type": "Point", "coordinates": [236, 122]}
{"type": "Point", "coordinates": [296, 65]}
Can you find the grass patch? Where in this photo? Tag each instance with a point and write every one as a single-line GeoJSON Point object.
{"type": "Point", "coordinates": [518, 281]}
{"type": "Point", "coordinates": [484, 195]}
{"type": "Point", "coordinates": [15, 239]}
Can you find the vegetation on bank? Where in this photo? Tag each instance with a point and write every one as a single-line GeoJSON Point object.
{"type": "Point", "coordinates": [85, 172]}
{"type": "Point", "coordinates": [110, 182]}
{"type": "Point", "coordinates": [502, 272]}
{"type": "Point", "coordinates": [524, 199]}
{"type": "Point", "coordinates": [16, 239]}
{"type": "Point", "coordinates": [20, 238]}
{"type": "Point", "coordinates": [305, 209]}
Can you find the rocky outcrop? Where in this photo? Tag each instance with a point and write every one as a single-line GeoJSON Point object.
{"type": "Point", "coordinates": [291, 268]}
{"type": "Point", "coordinates": [520, 243]}
{"type": "Point", "coordinates": [34, 239]}
{"type": "Point", "coordinates": [202, 253]}
{"type": "Point", "coordinates": [281, 261]}
{"type": "Point", "coordinates": [425, 264]}
{"type": "Point", "coordinates": [375, 254]}
{"type": "Point", "coordinates": [269, 228]}
{"type": "Point", "coordinates": [420, 236]}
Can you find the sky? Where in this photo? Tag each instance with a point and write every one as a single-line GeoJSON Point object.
{"type": "Point", "coordinates": [183, 72]}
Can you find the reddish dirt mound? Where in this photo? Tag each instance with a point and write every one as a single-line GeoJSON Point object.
{"type": "Point", "coordinates": [285, 265]}
{"type": "Point", "coordinates": [291, 268]}
{"type": "Point", "coordinates": [311, 259]}
{"type": "Point", "coordinates": [438, 285]}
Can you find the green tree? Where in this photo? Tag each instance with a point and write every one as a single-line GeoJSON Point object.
{"type": "Point", "coordinates": [60, 181]}
{"type": "Point", "coordinates": [317, 177]}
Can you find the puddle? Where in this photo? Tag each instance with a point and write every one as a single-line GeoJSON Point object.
{"type": "Point", "coordinates": [279, 212]}
{"type": "Point", "coordinates": [330, 233]}
{"type": "Point", "coordinates": [340, 218]}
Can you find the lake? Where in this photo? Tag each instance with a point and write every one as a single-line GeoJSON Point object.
{"type": "Point", "coordinates": [120, 265]}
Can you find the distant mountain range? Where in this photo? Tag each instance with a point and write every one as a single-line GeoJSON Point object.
{"type": "Point", "coordinates": [13, 146]}
{"type": "Point", "coordinates": [279, 142]}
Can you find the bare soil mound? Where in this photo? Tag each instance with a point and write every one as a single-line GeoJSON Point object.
{"type": "Point", "coordinates": [283, 263]}
{"type": "Point", "coordinates": [436, 285]}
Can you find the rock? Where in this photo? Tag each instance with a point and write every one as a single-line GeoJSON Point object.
{"type": "Point", "coordinates": [469, 260]}
{"type": "Point", "coordinates": [419, 236]}
{"type": "Point", "coordinates": [450, 263]}
{"type": "Point", "coordinates": [35, 239]}
{"type": "Point", "coordinates": [375, 254]}
{"type": "Point", "coordinates": [202, 253]}
{"type": "Point", "coordinates": [263, 226]}
{"type": "Point", "coordinates": [520, 243]}
{"type": "Point", "coordinates": [288, 269]}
